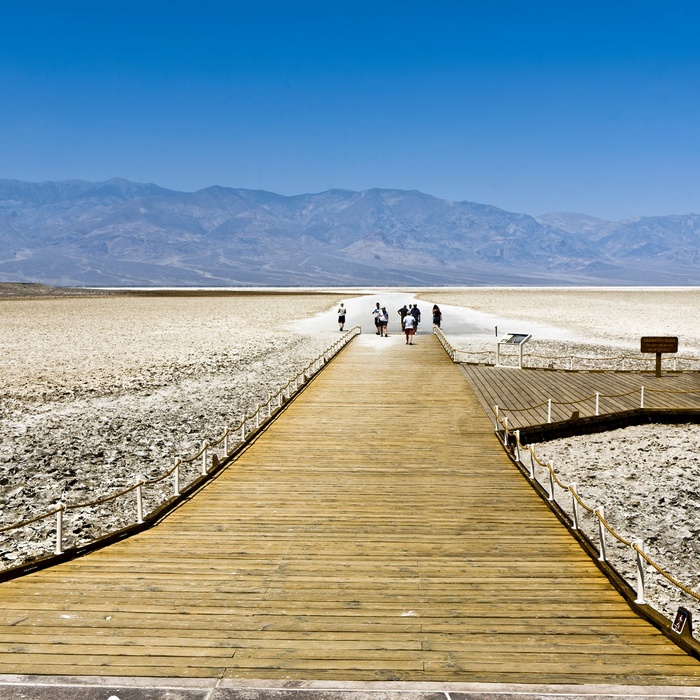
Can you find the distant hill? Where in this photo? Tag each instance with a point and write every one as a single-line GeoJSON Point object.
{"type": "Point", "coordinates": [121, 233]}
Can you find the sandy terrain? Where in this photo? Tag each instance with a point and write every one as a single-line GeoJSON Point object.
{"type": "Point", "coordinates": [96, 391]}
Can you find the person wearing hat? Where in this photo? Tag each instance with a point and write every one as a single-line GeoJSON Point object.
{"type": "Point", "coordinates": [341, 317]}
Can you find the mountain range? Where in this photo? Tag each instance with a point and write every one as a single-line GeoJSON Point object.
{"type": "Point", "coordinates": [121, 233]}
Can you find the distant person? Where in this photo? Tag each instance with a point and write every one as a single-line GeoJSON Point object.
{"type": "Point", "coordinates": [384, 322]}
{"type": "Point", "coordinates": [377, 312]}
{"type": "Point", "coordinates": [437, 315]}
{"type": "Point", "coordinates": [408, 329]}
{"type": "Point", "coordinates": [341, 317]}
{"type": "Point", "coordinates": [415, 312]}
{"type": "Point", "coordinates": [403, 312]}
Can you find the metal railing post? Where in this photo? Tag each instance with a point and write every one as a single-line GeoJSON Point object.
{"type": "Point", "coordinates": [574, 504]}
{"type": "Point", "coordinates": [59, 529]}
{"type": "Point", "coordinates": [600, 514]}
{"type": "Point", "coordinates": [641, 598]}
{"type": "Point", "coordinates": [550, 469]}
{"type": "Point", "coordinates": [532, 461]}
{"type": "Point", "coordinates": [641, 398]}
{"type": "Point", "coordinates": [517, 445]}
{"type": "Point", "coordinates": [139, 502]}
{"type": "Point", "coordinates": [597, 403]}
{"type": "Point", "coordinates": [549, 410]}
{"type": "Point", "coordinates": [205, 451]}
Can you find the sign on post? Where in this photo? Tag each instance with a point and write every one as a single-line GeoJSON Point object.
{"type": "Point", "coordinates": [517, 339]}
{"type": "Point", "coordinates": [659, 344]}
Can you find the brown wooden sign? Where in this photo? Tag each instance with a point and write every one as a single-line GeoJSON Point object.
{"type": "Point", "coordinates": [659, 343]}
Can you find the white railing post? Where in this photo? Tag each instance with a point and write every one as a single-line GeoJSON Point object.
{"type": "Point", "coordinates": [496, 411]}
{"type": "Point", "coordinates": [597, 403]}
{"type": "Point", "coordinates": [505, 432]}
{"type": "Point", "coordinates": [176, 479]}
{"type": "Point", "coordinates": [257, 416]}
{"type": "Point", "coordinates": [574, 504]}
{"type": "Point", "coordinates": [139, 502]}
{"type": "Point", "coordinates": [269, 405]}
{"type": "Point", "coordinates": [550, 469]}
{"type": "Point", "coordinates": [532, 461]}
{"type": "Point", "coordinates": [641, 398]}
{"type": "Point", "coordinates": [641, 598]}
{"type": "Point", "coordinates": [600, 513]}
{"type": "Point", "coordinates": [226, 441]}
{"type": "Point", "coordinates": [517, 445]}
{"type": "Point", "coordinates": [549, 410]}
{"type": "Point", "coordinates": [243, 428]}
{"type": "Point", "coordinates": [205, 451]}
{"type": "Point", "coordinates": [59, 529]}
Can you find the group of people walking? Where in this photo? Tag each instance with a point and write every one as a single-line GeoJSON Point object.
{"type": "Point", "coordinates": [409, 315]}
{"type": "Point", "coordinates": [410, 318]}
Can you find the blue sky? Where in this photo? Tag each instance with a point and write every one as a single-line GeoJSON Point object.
{"type": "Point", "coordinates": [561, 105]}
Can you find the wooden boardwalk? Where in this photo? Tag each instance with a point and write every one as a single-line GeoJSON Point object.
{"type": "Point", "coordinates": [512, 388]}
{"type": "Point", "coordinates": [375, 531]}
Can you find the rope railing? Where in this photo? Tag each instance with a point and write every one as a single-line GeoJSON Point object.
{"type": "Point", "coordinates": [449, 348]}
{"type": "Point", "coordinates": [231, 438]}
{"type": "Point", "coordinates": [597, 396]}
{"type": "Point", "coordinates": [511, 442]}
{"type": "Point", "coordinates": [571, 361]}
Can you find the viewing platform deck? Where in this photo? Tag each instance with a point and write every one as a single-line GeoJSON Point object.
{"type": "Point", "coordinates": [524, 395]}
{"type": "Point", "coordinates": [375, 531]}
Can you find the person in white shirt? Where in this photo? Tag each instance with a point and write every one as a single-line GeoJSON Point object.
{"type": "Point", "coordinates": [408, 328]}
{"type": "Point", "coordinates": [377, 312]}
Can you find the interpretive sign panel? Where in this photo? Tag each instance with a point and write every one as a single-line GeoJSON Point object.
{"type": "Point", "coordinates": [659, 343]}
{"type": "Point", "coordinates": [517, 339]}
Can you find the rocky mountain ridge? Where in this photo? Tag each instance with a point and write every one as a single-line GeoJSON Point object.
{"type": "Point", "coordinates": [121, 233]}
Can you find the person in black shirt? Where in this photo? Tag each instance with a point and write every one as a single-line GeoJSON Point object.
{"type": "Point", "coordinates": [403, 312]}
{"type": "Point", "coordinates": [415, 312]}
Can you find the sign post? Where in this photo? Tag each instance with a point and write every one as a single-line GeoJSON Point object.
{"type": "Point", "coordinates": [659, 344]}
{"type": "Point", "coordinates": [517, 339]}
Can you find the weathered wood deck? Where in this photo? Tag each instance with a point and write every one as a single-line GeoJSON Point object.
{"type": "Point", "coordinates": [512, 388]}
{"type": "Point", "coordinates": [375, 531]}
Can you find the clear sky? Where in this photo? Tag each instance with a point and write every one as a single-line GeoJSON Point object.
{"type": "Point", "coordinates": [533, 106]}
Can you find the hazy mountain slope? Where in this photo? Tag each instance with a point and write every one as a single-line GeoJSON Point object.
{"type": "Point", "coordinates": [123, 233]}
